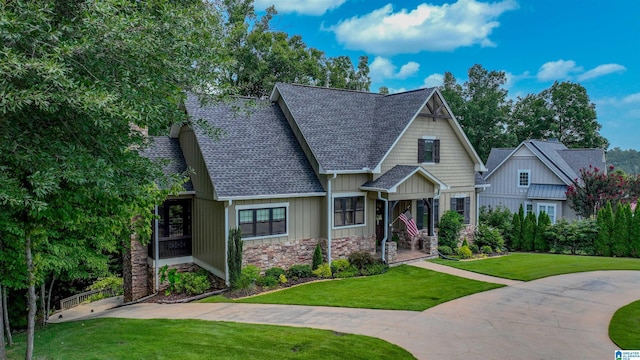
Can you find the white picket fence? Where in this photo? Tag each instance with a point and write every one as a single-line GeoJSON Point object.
{"type": "Point", "coordinates": [78, 299]}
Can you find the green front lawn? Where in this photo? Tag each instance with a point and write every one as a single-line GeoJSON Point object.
{"type": "Point", "coordinates": [624, 327]}
{"type": "Point", "coordinates": [530, 266]}
{"type": "Point", "coordinates": [196, 339]}
{"type": "Point", "coordinates": [401, 288]}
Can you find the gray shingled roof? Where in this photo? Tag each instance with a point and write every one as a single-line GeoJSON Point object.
{"type": "Point", "coordinates": [583, 158]}
{"type": "Point", "coordinates": [168, 152]}
{"type": "Point", "coordinates": [350, 130]}
{"type": "Point", "coordinates": [547, 192]}
{"type": "Point", "coordinates": [258, 155]}
{"type": "Point", "coordinates": [391, 178]}
{"type": "Point", "coordinates": [496, 156]}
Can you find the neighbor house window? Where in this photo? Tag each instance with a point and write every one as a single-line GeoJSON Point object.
{"type": "Point", "coordinates": [523, 178]}
{"type": "Point", "coordinates": [550, 209]}
{"type": "Point", "coordinates": [462, 205]}
{"type": "Point", "coordinates": [263, 222]}
{"type": "Point", "coordinates": [428, 150]}
{"type": "Point", "coordinates": [348, 211]}
{"type": "Point", "coordinates": [528, 208]}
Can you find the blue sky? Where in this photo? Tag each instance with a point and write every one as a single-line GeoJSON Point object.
{"type": "Point", "coordinates": [410, 44]}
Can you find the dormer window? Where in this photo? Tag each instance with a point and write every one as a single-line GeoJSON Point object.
{"type": "Point", "coordinates": [524, 178]}
{"type": "Point", "coordinates": [428, 150]}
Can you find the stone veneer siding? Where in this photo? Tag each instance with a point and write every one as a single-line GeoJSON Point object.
{"type": "Point", "coordinates": [135, 273]}
{"type": "Point", "coordinates": [287, 253]}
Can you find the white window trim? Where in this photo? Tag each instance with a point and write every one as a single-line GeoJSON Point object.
{"type": "Point", "coordinates": [547, 205]}
{"type": "Point", "coordinates": [521, 171]}
{"type": "Point", "coordinates": [527, 203]}
{"type": "Point", "coordinates": [428, 137]}
{"type": "Point", "coordinates": [344, 195]}
{"type": "Point", "coordinates": [259, 207]}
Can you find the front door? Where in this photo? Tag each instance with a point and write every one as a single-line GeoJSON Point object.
{"type": "Point", "coordinates": [379, 221]}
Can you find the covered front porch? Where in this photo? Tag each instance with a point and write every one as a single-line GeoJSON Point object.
{"type": "Point", "coordinates": [407, 211]}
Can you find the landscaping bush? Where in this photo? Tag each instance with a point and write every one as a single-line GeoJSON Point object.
{"type": "Point", "coordinates": [360, 259]}
{"type": "Point", "coordinates": [275, 272]}
{"type": "Point", "coordinates": [323, 271]}
{"type": "Point", "coordinates": [487, 249]}
{"type": "Point", "coordinates": [499, 217]}
{"type": "Point", "coordinates": [193, 283]}
{"type": "Point", "coordinates": [573, 237]}
{"type": "Point", "coordinates": [351, 271]}
{"type": "Point", "coordinates": [339, 265]}
{"type": "Point", "coordinates": [267, 281]}
{"type": "Point", "coordinates": [375, 269]}
{"type": "Point", "coordinates": [317, 257]}
{"type": "Point", "coordinates": [445, 250]}
{"type": "Point", "coordinates": [248, 276]}
{"type": "Point", "coordinates": [464, 252]}
{"type": "Point", "coordinates": [299, 271]}
{"type": "Point", "coordinates": [171, 276]}
{"type": "Point", "coordinates": [451, 224]}
{"type": "Point", "coordinates": [488, 236]}
{"type": "Point", "coordinates": [282, 279]}
{"type": "Point", "coordinates": [474, 248]}
{"type": "Point", "coordinates": [234, 255]}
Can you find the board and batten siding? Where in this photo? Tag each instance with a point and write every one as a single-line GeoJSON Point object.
{"type": "Point", "coordinates": [456, 167]}
{"type": "Point", "coordinates": [208, 239]}
{"type": "Point", "coordinates": [461, 192]}
{"type": "Point", "coordinates": [305, 217]}
{"type": "Point", "coordinates": [193, 157]}
{"type": "Point", "coordinates": [349, 182]}
{"type": "Point", "coordinates": [416, 187]}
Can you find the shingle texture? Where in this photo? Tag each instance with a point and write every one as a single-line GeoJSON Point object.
{"type": "Point", "coordinates": [258, 153]}
{"type": "Point", "coordinates": [350, 130]}
{"type": "Point", "coordinates": [391, 178]}
{"type": "Point", "coordinates": [167, 151]}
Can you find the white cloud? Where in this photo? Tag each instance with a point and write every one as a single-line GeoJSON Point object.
{"type": "Point", "coordinates": [398, 90]}
{"type": "Point", "coordinates": [382, 68]}
{"type": "Point", "coordinates": [427, 27]}
{"type": "Point", "coordinates": [601, 70]}
{"type": "Point", "coordinates": [307, 7]}
{"type": "Point", "coordinates": [631, 99]}
{"type": "Point", "coordinates": [433, 80]}
{"type": "Point", "coordinates": [513, 78]}
{"type": "Point", "coordinates": [558, 70]}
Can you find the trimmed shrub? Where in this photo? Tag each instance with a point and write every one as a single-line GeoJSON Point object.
{"type": "Point", "coordinates": [474, 248]}
{"type": "Point", "coordinates": [275, 272]}
{"type": "Point", "coordinates": [445, 250]}
{"type": "Point", "coordinates": [360, 259]}
{"type": "Point", "coordinates": [323, 271]}
{"type": "Point", "coordinates": [282, 279]}
{"type": "Point", "coordinates": [375, 269]}
{"type": "Point", "coordinates": [464, 252]}
{"type": "Point", "coordinates": [606, 224]}
{"type": "Point", "coordinates": [351, 271]}
{"type": "Point", "coordinates": [268, 281]}
{"type": "Point", "coordinates": [488, 236]}
{"type": "Point", "coordinates": [487, 249]}
{"type": "Point", "coordinates": [499, 217]}
{"type": "Point", "coordinates": [540, 242]}
{"type": "Point", "coordinates": [529, 231]}
{"type": "Point", "coordinates": [248, 277]}
{"type": "Point", "coordinates": [573, 237]}
{"type": "Point", "coordinates": [339, 265]}
{"type": "Point", "coordinates": [317, 257]}
{"type": "Point", "coordinates": [517, 222]}
{"type": "Point", "coordinates": [234, 258]}
{"type": "Point", "coordinates": [449, 229]}
{"type": "Point", "coordinates": [299, 271]}
{"type": "Point", "coordinates": [193, 283]}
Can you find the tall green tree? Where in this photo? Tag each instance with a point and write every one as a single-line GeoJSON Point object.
{"type": "Point", "coordinates": [540, 243]}
{"type": "Point", "coordinates": [77, 78]}
{"type": "Point", "coordinates": [634, 246]}
{"type": "Point", "coordinates": [621, 234]}
{"type": "Point", "coordinates": [517, 229]}
{"type": "Point", "coordinates": [605, 223]}
{"type": "Point", "coordinates": [529, 228]}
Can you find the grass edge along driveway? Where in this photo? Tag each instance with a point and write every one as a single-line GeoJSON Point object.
{"type": "Point", "coordinates": [198, 339]}
{"type": "Point", "coordinates": [403, 287]}
{"type": "Point", "coordinates": [624, 328]}
{"type": "Point", "coordinates": [532, 266]}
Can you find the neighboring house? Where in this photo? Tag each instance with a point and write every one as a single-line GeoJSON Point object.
{"type": "Point", "coordinates": [536, 175]}
{"type": "Point", "coordinates": [313, 165]}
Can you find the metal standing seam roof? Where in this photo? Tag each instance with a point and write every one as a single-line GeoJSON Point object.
{"type": "Point", "coordinates": [350, 130]}
{"type": "Point", "coordinates": [167, 151]}
{"type": "Point", "coordinates": [547, 192]}
{"type": "Point", "coordinates": [257, 155]}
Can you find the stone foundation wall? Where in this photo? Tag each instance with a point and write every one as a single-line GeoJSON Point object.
{"type": "Point", "coordinates": [467, 233]}
{"type": "Point", "coordinates": [391, 251]}
{"type": "Point", "coordinates": [287, 253]}
{"type": "Point", "coordinates": [135, 273]}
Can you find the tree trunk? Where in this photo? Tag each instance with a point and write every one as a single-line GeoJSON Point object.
{"type": "Point", "coordinates": [7, 326]}
{"type": "Point", "coordinates": [53, 280]}
{"type": "Point", "coordinates": [43, 309]}
{"type": "Point", "coordinates": [31, 316]}
{"type": "Point", "coordinates": [3, 354]}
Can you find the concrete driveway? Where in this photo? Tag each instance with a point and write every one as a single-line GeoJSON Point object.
{"type": "Point", "coordinates": [561, 317]}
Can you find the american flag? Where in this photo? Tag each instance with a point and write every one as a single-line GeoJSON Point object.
{"type": "Point", "coordinates": [412, 229]}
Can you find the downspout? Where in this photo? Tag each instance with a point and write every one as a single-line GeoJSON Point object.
{"type": "Point", "coordinates": [329, 215]}
{"type": "Point", "coordinates": [156, 245]}
{"type": "Point", "coordinates": [227, 205]}
{"type": "Point", "coordinates": [386, 224]}
{"type": "Point", "coordinates": [477, 207]}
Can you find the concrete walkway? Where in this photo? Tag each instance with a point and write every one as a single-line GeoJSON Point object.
{"type": "Point", "coordinates": [463, 273]}
{"type": "Point", "coordinates": [563, 316]}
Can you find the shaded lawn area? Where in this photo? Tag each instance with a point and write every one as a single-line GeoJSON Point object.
{"type": "Point", "coordinates": [401, 288]}
{"type": "Point", "coordinates": [196, 339]}
{"type": "Point", "coordinates": [624, 328]}
{"type": "Point", "coordinates": [531, 266]}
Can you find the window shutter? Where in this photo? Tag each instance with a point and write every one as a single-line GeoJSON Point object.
{"type": "Point", "coordinates": [420, 151]}
{"type": "Point", "coordinates": [436, 151]}
{"type": "Point", "coordinates": [452, 204]}
{"type": "Point", "coordinates": [420, 217]}
{"type": "Point", "coordinates": [436, 213]}
{"type": "Point", "coordinates": [467, 210]}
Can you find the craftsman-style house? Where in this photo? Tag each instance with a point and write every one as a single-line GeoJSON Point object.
{"type": "Point", "coordinates": [536, 175]}
{"type": "Point", "coordinates": [313, 165]}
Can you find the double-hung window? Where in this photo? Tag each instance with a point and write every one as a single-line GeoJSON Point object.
{"type": "Point", "coordinates": [550, 209]}
{"type": "Point", "coordinates": [348, 211]}
{"type": "Point", "coordinates": [462, 205]}
{"type": "Point", "coordinates": [428, 150]}
{"type": "Point", "coordinates": [260, 222]}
